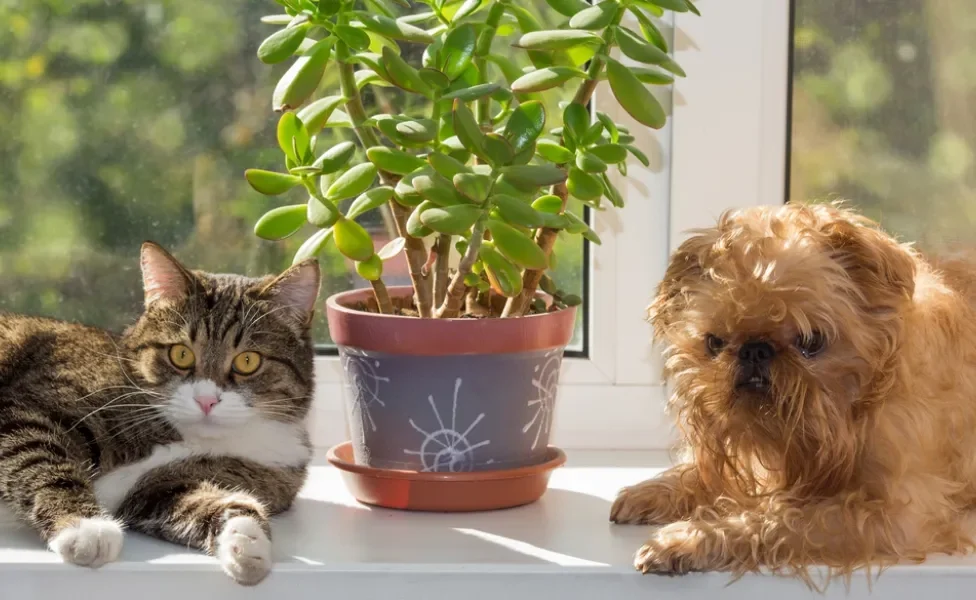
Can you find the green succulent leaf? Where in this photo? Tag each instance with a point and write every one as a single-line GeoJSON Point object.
{"type": "Point", "coordinates": [633, 96]}
{"type": "Point", "coordinates": [576, 119]}
{"type": "Point", "coordinates": [445, 166]}
{"type": "Point", "coordinates": [590, 163]}
{"type": "Point", "coordinates": [497, 149]}
{"type": "Point", "coordinates": [638, 154]}
{"type": "Point", "coordinates": [335, 158]}
{"type": "Point", "coordinates": [610, 126]}
{"type": "Point", "coordinates": [635, 47]}
{"type": "Point", "coordinates": [302, 77]}
{"type": "Point", "coordinates": [434, 78]}
{"type": "Point", "coordinates": [315, 244]}
{"type": "Point", "coordinates": [544, 79]}
{"type": "Point", "coordinates": [517, 212]}
{"type": "Point", "coordinates": [504, 277]}
{"type": "Point", "coordinates": [356, 39]}
{"type": "Point", "coordinates": [473, 186]}
{"type": "Point", "coordinates": [403, 75]}
{"type": "Point", "coordinates": [270, 183]}
{"type": "Point", "coordinates": [535, 175]}
{"type": "Point", "coordinates": [321, 214]}
{"type": "Point", "coordinates": [470, 94]}
{"type": "Point", "coordinates": [516, 246]}
{"type": "Point", "coordinates": [317, 113]}
{"type": "Point", "coordinates": [553, 152]}
{"type": "Point", "coordinates": [415, 228]}
{"type": "Point", "coordinates": [370, 269]}
{"type": "Point", "coordinates": [438, 190]}
{"type": "Point", "coordinates": [353, 182]}
{"type": "Point", "coordinates": [467, 130]}
{"type": "Point", "coordinates": [353, 240]}
{"type": "Point", "coordinates": [675, 5]}
{"type": "Point", "coordinates": [468, 8]}
{"type": "Point", "coordinates": [582, 185]}
{"type": "Point", "coordinates": [282, 44]}
{"type": "Point", "coordinates": [279, 223]}
{"type": "Point", "coordinates": [557, 39]}
{"type": "Point", "coordinates": [293, 136]}
{"type": "Point", "coordinates": [610, 153]}
{"type": "Point", "coordinates": [525, 125]}
{"type": "Point", "coordinates": [397, 30]}
{"type": "Point", "coordinates": [596, 17]}
{"type": "Point", "coordinates": [550, 204]}
{"type": "Point", "coordinates": [392, 248]}
{"type": "Point", "coordinates": [452, 220]}
{"type": "Point", "coordinates": [611, 192]}
{"type": "Point", "coordinates": [369, 200]}
{"type": "Point", "coordinates": [395, 161]}
{"type": "Point", "coordinates": [649, 29]}
{"type": "Point", "coordinates": [419, 131]}
{"type": "Point", "coordinates": [457, 52]}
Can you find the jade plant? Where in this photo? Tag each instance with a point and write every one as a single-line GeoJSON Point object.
{"type": "Point", "coordinates": [485, 171]}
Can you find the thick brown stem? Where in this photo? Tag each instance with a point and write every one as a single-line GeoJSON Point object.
{"type": "Point", "coordinates": [416, 251]}
{"type": "Point", "coordinates": [382, 297]}
{"type": "Point", "coordinates": [455, 291]}
{"type": "Point", "coordinates": [442, 248]}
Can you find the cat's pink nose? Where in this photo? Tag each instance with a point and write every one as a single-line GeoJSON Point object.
{"type": "Point", "coordinates": [207, 403]}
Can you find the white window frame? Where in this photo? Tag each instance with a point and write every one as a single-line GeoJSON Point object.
{"type": "Point", "coordinates": [724, 147]}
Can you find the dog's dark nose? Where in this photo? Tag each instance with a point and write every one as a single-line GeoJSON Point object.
{"type": "Point", "coordinates": [756, 353]}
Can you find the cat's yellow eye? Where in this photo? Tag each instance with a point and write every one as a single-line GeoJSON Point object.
{"type": "Point", "coordinates": [246, 363]}
{"type": "Point", "coordinates": [181, 356]}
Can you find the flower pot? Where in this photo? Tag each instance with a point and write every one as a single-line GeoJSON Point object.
{"type": "Point", "coordinates": [447, 395]}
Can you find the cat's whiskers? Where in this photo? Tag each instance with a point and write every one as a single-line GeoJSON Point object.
{"type": "Point", "coordinates": [112, 404]}
{"type": "Point", "coordinates": [267, 314]}
{"type": "Point", "coordinates": [144, 420]}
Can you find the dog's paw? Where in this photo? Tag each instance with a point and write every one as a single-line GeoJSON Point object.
{"type": "Point", "coordinates": [647, 503]}
{"type": "Point", "coordinates": [89, 542]}
{"type": "Point", "coordinates": [244, 550]}
{"type": "Point", "coordinates": [677, 549]}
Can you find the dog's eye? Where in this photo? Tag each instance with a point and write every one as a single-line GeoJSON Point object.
{"type": "Point", "coordinates": [714, 344]}
{"type": "Point", "coordinates": [812, 345]}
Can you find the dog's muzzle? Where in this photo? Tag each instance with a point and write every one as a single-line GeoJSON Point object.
{"type": "Point", "coordinates": [753, 372]}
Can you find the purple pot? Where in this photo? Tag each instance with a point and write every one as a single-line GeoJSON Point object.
{"type": "Point", "coordinates": [448, 395]}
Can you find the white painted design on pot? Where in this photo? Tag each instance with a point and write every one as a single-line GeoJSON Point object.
{"type": "Point", "coordinates": [446, 448]}
{"type": "Point", "coordinates": [363, 383]}
{"type": "Point", "coordinates": [546, 383]}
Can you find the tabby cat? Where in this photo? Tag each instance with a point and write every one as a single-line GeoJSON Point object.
{"type": "Point", "coordinates": [190, 426]}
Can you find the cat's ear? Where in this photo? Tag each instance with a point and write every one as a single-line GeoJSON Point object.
{"type": "Point", "coordinates": [163, 277]}
{"type": "Point", "coordinates": [297, 288]}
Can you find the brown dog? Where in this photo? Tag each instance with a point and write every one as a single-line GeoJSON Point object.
{"type": "Point", "coordinates": [824, 379]}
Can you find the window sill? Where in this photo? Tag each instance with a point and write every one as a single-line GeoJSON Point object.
{"type": "Point", "coordinates": [560, 547]}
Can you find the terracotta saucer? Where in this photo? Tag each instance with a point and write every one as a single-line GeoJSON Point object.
{"type": "Point", "coordinates": [444, 492]}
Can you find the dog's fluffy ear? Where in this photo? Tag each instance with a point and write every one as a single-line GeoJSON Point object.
{"type": "Point", "coordinates": [882, 269]}
{"type": "Point", "coordinates": [684, 271]}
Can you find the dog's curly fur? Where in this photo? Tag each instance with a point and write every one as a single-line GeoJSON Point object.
{"type": "Point", "coordinates": [859, 453]}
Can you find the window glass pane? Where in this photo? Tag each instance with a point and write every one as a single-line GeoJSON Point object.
{"type": "Point", "coordinates": [883, 112]}
{"type": "Point", "coordinates": [126, 120]}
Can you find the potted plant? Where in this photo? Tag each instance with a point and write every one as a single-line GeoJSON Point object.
{"type": "Point", "coordinates": [457, 372]}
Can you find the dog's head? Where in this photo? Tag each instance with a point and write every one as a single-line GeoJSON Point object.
{"type": "Point", "coordinates": [780, 324]}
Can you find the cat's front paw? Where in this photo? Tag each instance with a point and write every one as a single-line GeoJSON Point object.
{"type": "Point", "coordinates": [244, 550]}
{"type": "Point", "coordinates": [89, 542]}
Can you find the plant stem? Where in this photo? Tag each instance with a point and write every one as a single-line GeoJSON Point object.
{"type": "Point", "coordinates": [442, 248]}
{"type": "Point", "coordinates": [455, 291]}
{"type": "Point", "coordinates": [382, 297]}
{"type": "Point", "coordinates": [416, 251]}
{"type": "Point", "coordinates": [481, 51]}
{"type": "Point", "coordinates": [546, 237]}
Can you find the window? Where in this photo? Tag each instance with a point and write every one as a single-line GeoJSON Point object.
{"type": "Point", "coordinates": [122, 121]}
{"type": "Point", "coordinates": [883, 113]}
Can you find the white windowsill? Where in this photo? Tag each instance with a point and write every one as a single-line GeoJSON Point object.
{"type": "Point", "coordinates": [329, 547]}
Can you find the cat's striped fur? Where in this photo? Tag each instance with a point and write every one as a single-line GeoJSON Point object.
{"type": "Point", "coordinates": [101, 431]}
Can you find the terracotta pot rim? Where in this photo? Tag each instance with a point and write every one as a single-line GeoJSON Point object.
{"type": "Point", "coordinates": [555, 458]}
{"type": "Point", "coordinates": [398, 334]}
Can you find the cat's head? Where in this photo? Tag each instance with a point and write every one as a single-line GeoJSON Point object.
{"type": "Point", "coordinates": [224, 350]}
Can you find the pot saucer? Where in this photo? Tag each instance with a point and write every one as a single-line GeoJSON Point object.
{"type": "Point", "coordinates": [444, 492]}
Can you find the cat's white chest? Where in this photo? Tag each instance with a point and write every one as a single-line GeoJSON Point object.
{"type": "Point", "coordinates": [269, 443]}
